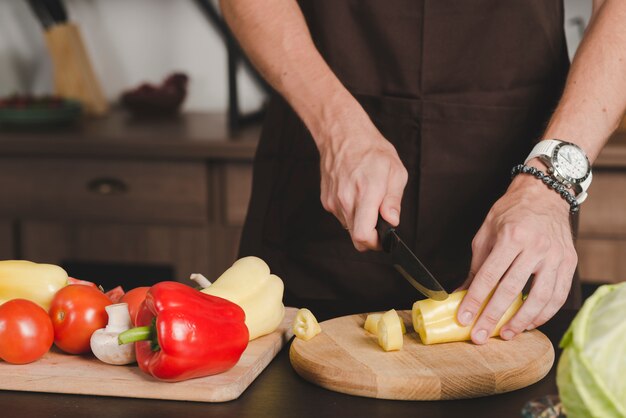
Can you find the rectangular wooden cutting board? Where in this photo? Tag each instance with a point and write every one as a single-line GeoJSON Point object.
{"type": "Point", "coordinates": [85, 375]}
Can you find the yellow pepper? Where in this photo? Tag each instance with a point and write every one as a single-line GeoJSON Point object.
{"type": "Point", "coordinates": [21, 279]}
{"type": "Point", "coordinates": [371, 323]}
{"type": "Point", "coordinates": [435, 321]}
{"type": "Point", "coordinates": [389, 331]}
{"type": "Point", "coordinates": [305, 325]}
{"type": "Point", "coordinates": [249, 284]}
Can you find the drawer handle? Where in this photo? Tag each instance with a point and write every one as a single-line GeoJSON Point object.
{"type": "Point", "coordinates": [107, 186]}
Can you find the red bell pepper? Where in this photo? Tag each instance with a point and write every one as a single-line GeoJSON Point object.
{"type": "Point", "coordinates": [183, 333]}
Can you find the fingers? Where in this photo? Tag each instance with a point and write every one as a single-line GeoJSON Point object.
{"type": "Point", "coordinates": [487, 277]}
{"type": "Point", "coordinates": [330, 204]}
{"type": "Point", "coordinates": [564, 274]}
{"type": "Point", "coordinates": [539, 296]}
{"type": "Point", "coordinates": [481, 247]}
{"type": "Point", "coordinates": [390, 207]}
{"type": "Point", "coordinates": [507, 291]}
{"type": "Point", "coordinates": [364, 235]}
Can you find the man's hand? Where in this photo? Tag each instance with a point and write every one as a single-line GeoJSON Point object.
{"type": "Point", "coordinates": [361, 175]}
{"type": "Point", "coordinates": [361, 172]}
{"type": "Point", "coordinates": [527, 232]}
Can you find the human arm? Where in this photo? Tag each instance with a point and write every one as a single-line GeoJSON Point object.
{"type": "Point", "coordinates": [527, 231]}
{"type": "Point", "coordinates": [361, 173]}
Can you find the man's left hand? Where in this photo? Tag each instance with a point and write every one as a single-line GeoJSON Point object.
{"type": "Point", "coordinates": [527, 232]}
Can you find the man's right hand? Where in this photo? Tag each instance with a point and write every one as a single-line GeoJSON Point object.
{"type": "Point", "coordinates": [361, 171]}
{"type": "Point", "coordinates": [362, 175]}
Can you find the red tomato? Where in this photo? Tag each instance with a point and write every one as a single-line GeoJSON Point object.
{"type": "Point", "coordinates": [77, 311]}
{"type": "Point", "coordinates": [26, 331]}
{"type": "Point", "coordinates": [71, 280]}
{"type": "Point", "coordinates": [115, 294]}
{"type": "Point", "coordinates": [134, 298]}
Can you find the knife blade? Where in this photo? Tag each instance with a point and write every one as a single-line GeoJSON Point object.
{"type": "Point", "coordinates": [407, 263]}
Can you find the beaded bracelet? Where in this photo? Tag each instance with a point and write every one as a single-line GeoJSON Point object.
{"type": "Point", "coordinates": [550, 182]}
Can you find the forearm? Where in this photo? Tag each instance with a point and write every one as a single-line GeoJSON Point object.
{"type": "Point", "coordinates": [275, 36]}
{"type": "Point", "coordinates": [594, 98]}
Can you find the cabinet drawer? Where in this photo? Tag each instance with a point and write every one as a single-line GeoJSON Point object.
{"type": "Point", "coordinates": [602, 260]}
{"type": "Point", "coordinates": [604, 212]}
{"type": "Point", "coordinates": [184, 248]}
{"type": "Point", "coordinates": [237, 186]}
{"type": "Point", "coordinates": [6, 240]}
{"type": "Point", "coordinates": [104, 190]}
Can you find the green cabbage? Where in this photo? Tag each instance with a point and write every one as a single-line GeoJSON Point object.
{"type": "Point", "coordinates": [591, 374]}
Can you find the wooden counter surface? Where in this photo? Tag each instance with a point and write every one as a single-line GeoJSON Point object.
{"type": "Point", "coordinates": [187, 136]}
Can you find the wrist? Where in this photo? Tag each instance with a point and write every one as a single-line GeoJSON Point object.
{"type": "Point", "coordinates": [339, 120]}
{"type": "Point", "coordinates": [537, 190]}
{"type": "Point", "coordinates": [322, 104]}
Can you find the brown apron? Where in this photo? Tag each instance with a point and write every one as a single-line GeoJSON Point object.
{"type": "Point", "coordinates": [461, 88]}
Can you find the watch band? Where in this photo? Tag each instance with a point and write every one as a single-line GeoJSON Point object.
{"type": "Point", "coordinates": [545, 148]}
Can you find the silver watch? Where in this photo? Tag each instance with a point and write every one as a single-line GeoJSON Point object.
{"type": "Point", "coordinates": [567, 163]}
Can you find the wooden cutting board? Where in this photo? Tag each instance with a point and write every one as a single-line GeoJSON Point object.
{"type": "Point", "coordinates": [86, 375]}
{"type": "Point", "coordinates": [346, 358]}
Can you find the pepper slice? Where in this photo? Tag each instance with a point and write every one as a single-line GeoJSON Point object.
{"type": "Point", "coordinates": [183, 333]}
{"type": "Point", "coordinates": [390, 331]}
{"type": "Point", "coordinates": [371, 323]}
{"type": "Point", "coordinates": [305, 325]}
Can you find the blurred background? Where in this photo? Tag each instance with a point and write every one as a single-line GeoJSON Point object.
{"type": "Point", "coordinates": [147, 175]}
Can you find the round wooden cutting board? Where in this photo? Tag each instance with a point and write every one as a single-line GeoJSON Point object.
{"type": "Point", "coordinates": [346, 358]}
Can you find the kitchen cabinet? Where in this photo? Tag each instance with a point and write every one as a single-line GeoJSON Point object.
{"type": "Point", "coordinates": [181, 249]}
{"type": "Point", "coordinates": [159, 197]}
{"type": "Point", "coordinates": [6, 240]}
{"type": "Point", "coordinates": [173, 193]}
{"type": "Point", "coordinates": [232, 185]}
{"type": "Point", "coordinates": [601, 242]}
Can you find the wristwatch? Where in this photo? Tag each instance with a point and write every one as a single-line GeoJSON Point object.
{"type": "Point", "coordinates": [567, 163]}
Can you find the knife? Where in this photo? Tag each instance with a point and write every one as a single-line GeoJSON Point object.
{"type": "Point", "coordinates": [407, 263]}
{"type": "Point", "coordinates": [41, 13]}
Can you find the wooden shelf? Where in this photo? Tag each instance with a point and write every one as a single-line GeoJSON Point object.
{"type": "Point", "coordinates": [196, 136]}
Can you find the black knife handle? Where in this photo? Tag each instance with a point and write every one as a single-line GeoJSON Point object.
{"type": "Point", "coordinates": [384, 230]}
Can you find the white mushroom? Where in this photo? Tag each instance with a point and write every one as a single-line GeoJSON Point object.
{"type": "Point", "coordinates": [104, 342]}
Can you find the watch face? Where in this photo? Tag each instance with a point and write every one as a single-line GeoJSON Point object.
{"type": "Point", "coordinates": [571, 162]}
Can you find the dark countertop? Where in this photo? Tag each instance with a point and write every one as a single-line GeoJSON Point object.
{"type": "Point", "coordinates": [279, 392]}
{"type": "Point", "coordinates": [186, 136]}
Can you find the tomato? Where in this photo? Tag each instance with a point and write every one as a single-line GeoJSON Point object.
{"type": "Point", "coordinates": [134, 298]}
{"type": "Point", "coordinates": [115, 295]}
{"type": "Point", "coordinates": [77, 311]}
{"type": "Point", "coordinates": [72, 280]}
{"type": "Point", "coordinates": [26, 331]}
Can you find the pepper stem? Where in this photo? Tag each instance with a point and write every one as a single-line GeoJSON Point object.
{"type": "Point", "coordinates": [135, 334]}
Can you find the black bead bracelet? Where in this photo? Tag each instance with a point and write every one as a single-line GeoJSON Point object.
{"type": "Point", "coordinates": [550, 182]}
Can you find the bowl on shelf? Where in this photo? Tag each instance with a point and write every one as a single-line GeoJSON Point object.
{"type": "Point", "coordinates": [38, 111]}
{"type": "Point", "coordinates": [148, 100]}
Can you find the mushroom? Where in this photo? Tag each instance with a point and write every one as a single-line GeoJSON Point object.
{"type": "Point", "coordinates": [104, 342]}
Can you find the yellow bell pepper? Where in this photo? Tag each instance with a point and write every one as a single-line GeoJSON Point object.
{"type": "Point", "coordinates": [20, 279]}
{"type": "Point", "coordinates": [305, 325]}
{"type": "Point", "coordinates": [390, 331]}
{"type": "Point", "coordinates": [371, 323]}
{"type": "Point", "coordinates": [435, 321]}
{"type": "Point", "coordinates": [249, 284]}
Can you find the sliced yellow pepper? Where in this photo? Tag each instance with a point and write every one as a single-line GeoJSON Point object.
{"type": "Point", "coordinates": [27, 280]}
{"type": "Point", "coordinates": [249, 284]}
{"type": "Point", "coordinates": [371, 323]}
{"type": "Point", "coordinates": [435, 321]}
{"type": "Point", "coordinates": [389, 332]}
{"type": "Point", "coordinates": [305, 325]}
